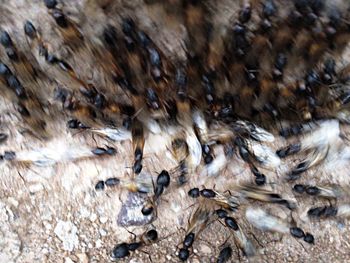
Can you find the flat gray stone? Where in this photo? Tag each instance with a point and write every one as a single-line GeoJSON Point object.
{"type": "Point", "coordinates": [130, 213]}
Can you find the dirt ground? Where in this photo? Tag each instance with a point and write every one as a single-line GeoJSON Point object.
{"type": "Point", "coordinates": [54, 214]}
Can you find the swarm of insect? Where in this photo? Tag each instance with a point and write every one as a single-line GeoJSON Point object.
{"type": "Point", "coordinates": [237, 121]}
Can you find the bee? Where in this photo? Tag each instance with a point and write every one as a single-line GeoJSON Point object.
{"type": "Point", "coordinates": [123, 250]}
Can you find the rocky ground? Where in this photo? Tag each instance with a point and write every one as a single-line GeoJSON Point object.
{"type": "Point", "coordinates": [53, 214]}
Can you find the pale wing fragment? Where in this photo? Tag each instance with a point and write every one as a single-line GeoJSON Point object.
{"type": "Point", "coordinates": [114, 133]}
{"type": "Point", "coordinates": [263, 221]}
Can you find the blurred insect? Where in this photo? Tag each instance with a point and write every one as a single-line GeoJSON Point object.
{"type": "Point", "coordinates": [225, 254]}
{"type": "Point", "coordinates": [9, 155]}
{"type": "Point", "coordinates": [263, 221]}
{"type": "Point", "coordinates": [68, 29]}
{"type": "Point", "coordinates": [209, 89]}
{"type": "Point", "coordinates": [260, 194]}
{"type": "Point", "coordinates": [329, 192]}
{"type": "Point", "coordinates": [11, 81]}
{"type": "Point", "coordinates": [325, 212]}
{"type": "Point", "coordinates": [58, 152]}
{"type": "Point", "coordinates": [239, 43]}
{"type": "Point", "coordinates": [254, 152]}
{"type": "Point", "coordinates": [194, 192]}
{"type": "Point", "coordinates": [317, 145]}
{"type": "Point", "coordinates": [114, 134]}
{"type": "Point", "coordinates": [181, 84]}
{"type": "Point", "coordinates": [269, 8]}
{"type": "Point", "coordinates": [329, 72]}
{"type": "Point", "coordinates": [180, 152]}
{"type": "Point", "coordinates": [289, 150]}
{"type": "Point", "coordinates": [245, 13]}
{"type": "Point", "coordinates": [156, 106]}
{"type": "Point", "coordinates": [3, 137]}
{"type": "Point", "coordinates": [37, 44]}
{"type": "Point", "coordinates": [28, 104]}
{"type": "Point", "coordinates": [291, 131]}
{"type": "Point", "coordinates": [280, 63]}
{"type": "Point", "coordinates": [50, 4]}
{"type": "Point", "coordinates": [33, 114]}
{"type": "Point", "coordinates": [76, 124]}
{"type": "Point", "coordinates": [123, 250]}
{"type": "Point", "coordinates": [241, 239]}
{"type": "Point", "coordinates": [197, 223]}
{"type": "Point", "coordinates": [201, 130]}
{"type": "Point", "coordinates": [104, 151]}
{"type": "Point", "coordinates": [139, 184]}
{"type": "Point", "coordinates": [197, 25]}
{"type": "Point", "coordinates": [85, 113]}
{"type": "Point", "coordinates": [216, 49]}
{"type": "Point", "coordinates": [138, 142]}
{"type": "Point", "coordinates": [260, 179]}
{"type": "Point", "coordinates": [20, 62]}
{"type": "Point", "coordinates": [228, 202]}
{"type": "Point", "coordinates": [163, 181]}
